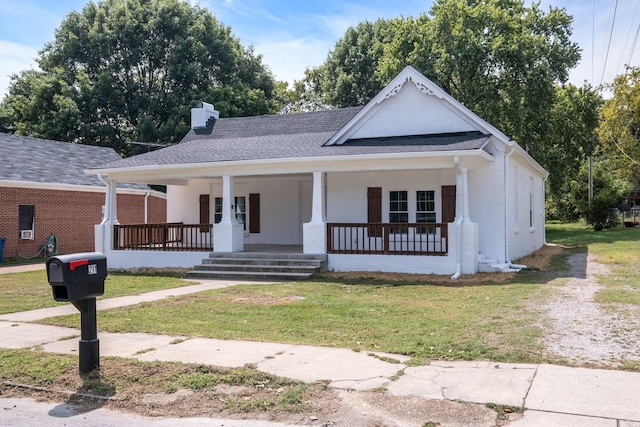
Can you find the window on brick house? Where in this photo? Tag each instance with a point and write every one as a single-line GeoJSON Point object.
{"type": "Point", "coordinates": [26, 221]}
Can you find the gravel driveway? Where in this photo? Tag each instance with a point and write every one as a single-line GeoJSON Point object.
{"type": "Point", "coordinates": [585, 332]}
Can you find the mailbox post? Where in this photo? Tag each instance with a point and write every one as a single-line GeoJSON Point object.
{"type": "Point", "coordinates": [79, 279]}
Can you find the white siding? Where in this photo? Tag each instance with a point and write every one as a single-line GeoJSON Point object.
{"type": "Point", "coordinates": [525, 185]}
{"type": "Point", "coordinates": [285, 204]}
{"type": "Point", "coordinates": [411, 112]}
{"type": "Point", "coordinates": [133, 259]}
{"type": "Point", "coordinates": [486, 207]}
{"type": "Point", "coordinates": [347, 192]}
{"type": "Point", "coordinates": [183, 202]}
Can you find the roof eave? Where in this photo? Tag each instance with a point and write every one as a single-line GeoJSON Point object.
{"type": "Point", "coordinates": [353, 163]}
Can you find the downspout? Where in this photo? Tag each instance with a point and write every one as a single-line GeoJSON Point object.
{"type": "Point", "coordinates": [506, 214]}
{"type": "Point", "coordinates": [146, 206]}
{"type": "Point", "coordinates": [544, 229]}
{"type": "Point", "coordinates": [456, 162]}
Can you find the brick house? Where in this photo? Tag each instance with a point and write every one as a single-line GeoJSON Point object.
{"type": "Point", "coordinates": [44, 191]}
{"type": "Point", "coordinates": [411, 182]}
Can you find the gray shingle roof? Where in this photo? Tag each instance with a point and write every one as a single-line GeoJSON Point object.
{"type": "Point", "coordinates": [54, 162]}
{"type": "Point", "coordinates": [289, 136]}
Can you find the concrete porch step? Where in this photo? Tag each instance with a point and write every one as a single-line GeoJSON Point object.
{"type": "Point", "coordinates": [267, 255]}
{"type": "Point", "coordinates": [259, 266]}
{"type": "Point", "coordinates": [309, 268]}
{"type": "Point", "coordinates": [262, 261]}
{"type": "Point", "coordinates": [244, 275]}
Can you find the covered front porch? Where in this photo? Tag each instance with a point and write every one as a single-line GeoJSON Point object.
{"type": "Point", "coordinates": [412, 220]}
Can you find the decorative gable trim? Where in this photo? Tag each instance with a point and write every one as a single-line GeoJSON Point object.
{"type": "Point", "coordinates": [425, 86]}
{"type": "Point", "coordinates": [396, 90]}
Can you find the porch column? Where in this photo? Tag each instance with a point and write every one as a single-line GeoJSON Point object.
{"type": "Point", "coordinates": [465, 195]}
{"type": "Point", "coordinates": [110, 204]}
{"type": "Point", "coordinates": [317, 210]}
{"type": "Point", "coordinates": [314, 238]}
{"type": "Point", "coordinates": [228, 235]}
{"type": "Point", "coordinates": [467, 236]}
{"type": "Point", "coordinates": [103, 232]}
{"type": "Point", "coordinates": [227, 201]}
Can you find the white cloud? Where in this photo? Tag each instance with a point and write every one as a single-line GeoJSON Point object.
{"type": "Point", "coordinates": [288, 59]}
{"type": "Point", "coordinates": [14, 58]}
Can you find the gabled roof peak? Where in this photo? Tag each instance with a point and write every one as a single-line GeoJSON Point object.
{"type": "Point", "coordinates": [424, 86]}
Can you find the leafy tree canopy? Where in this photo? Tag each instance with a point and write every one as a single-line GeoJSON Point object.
{"type": "Point", "coordinates": [619, 128]}
{"type": "Point", "coordinates": [499, 58]}
{"type": "Point", "coordinates": [130, 71]}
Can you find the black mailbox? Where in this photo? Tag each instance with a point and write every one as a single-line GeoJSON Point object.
{"type": "Point", "coordinates": [76, 277]}
{"type": "Point", "coordinates": [79, 279]}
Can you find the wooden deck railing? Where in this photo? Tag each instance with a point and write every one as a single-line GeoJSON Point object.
{"type": "Point", "coordinates": [163, 237]}
{"type": "Point", "coordinates": [392, 239]}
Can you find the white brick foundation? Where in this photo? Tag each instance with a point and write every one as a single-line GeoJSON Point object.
{"type": "Point", "coordinates": [228, 237]}
{"type": "Point", "coordinates": [314, 240]}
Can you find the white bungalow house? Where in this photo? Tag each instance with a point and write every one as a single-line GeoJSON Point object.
{"type": "Point", "coordinates": [411, 182]}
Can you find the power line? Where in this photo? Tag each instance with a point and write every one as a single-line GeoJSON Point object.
{"type": "Point", "coordinates": [621, 150]}
{"type": "Point", "coordinates": [627, 40]}
{"type": "Point", "coordinates": [633, 47]}
{"type": "Point", "coordinates": [593, 40]}
{"type": "Point", "coordinates": [606, 57]}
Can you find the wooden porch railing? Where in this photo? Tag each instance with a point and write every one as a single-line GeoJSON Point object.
{"type": "Point", "coordinates": [392, 239]}
{"type": "Point", "coordinates": [163, 237]}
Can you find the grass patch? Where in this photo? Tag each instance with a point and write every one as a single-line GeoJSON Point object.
{"type": "Point", "coordinates": [503, 411]}
{"type": "Point", "coordinates": [617, 248]}
{"type": "Point", "coordinates": [31, 290]}
{"type": "Point", "coordinates": [34, 368]}
{"type": "Point", "coordinates": [130, 380]}
{"type": "Point", "coordinates": [13, 261]}
{"type": "Point", "coordinates": [424, 321]}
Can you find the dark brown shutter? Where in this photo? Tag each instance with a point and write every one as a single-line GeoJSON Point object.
{"type": "Point", "coordinates": [254, 213]}
{"type": "Point", "coordinates": [448, 203]}
{"type": "Point", "coordinates": [374, 210]}
{"type": "Point", "coordinates": [204, 211]}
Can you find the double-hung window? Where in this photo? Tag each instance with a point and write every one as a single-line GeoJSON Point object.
{"type": "Point", "coordinates": [217, 210]}
{"type": "Point", "coordinates": [401, 208]}
{"type": "Point", "coordinates": [26, 214]}
{"type": "Point", "coordinates": [398, 209]}
{"type": "Point", "coordinates": [425, 209]}
{"type": "Point", "coordinates": [240, 209]}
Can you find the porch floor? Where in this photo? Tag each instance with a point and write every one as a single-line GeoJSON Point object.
{"type": "Point", "coordinates": [292, 249]}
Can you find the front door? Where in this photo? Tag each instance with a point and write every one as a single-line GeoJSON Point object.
{"type": "Point", "coordinates": [448, 203]}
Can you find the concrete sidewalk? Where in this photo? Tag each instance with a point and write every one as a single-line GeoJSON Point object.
{"type": "Point", "coordinates": [21, 268]}
{"type": "Point", "coordinates": [553, 395]}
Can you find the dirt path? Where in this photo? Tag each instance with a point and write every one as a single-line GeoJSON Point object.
{"type": "Point", "coordinates": [586, 332]}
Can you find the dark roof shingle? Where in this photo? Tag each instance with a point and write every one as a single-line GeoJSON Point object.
{"type": "Point", "coordinates": [300, 135]}
{"type": "Point", "coordinates": [54, 162]}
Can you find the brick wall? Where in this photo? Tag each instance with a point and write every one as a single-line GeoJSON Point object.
{"type": "Point", "coordinates": [69, 215]}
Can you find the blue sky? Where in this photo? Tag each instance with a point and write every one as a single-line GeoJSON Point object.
{"type": "Point", "coordinates": [295, 34]}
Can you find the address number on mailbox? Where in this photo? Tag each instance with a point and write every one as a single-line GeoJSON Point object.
{"type": "Point", "coordinates": [93, 269]}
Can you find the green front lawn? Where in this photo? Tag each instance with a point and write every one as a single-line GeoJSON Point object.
{"type": "Point", "coordinates": [30, 290]}
{"type": "Point", "coordinates": [424, 320]}
{"type": "Point", "coordinates": [427, 317]}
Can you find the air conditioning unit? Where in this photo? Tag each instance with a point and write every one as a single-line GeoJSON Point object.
{"type": "Point", "coordinates": [26, 234]}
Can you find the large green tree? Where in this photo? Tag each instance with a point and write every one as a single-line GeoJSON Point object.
{"type": "Point", "coordinates": [619, 128]}
{"type": "Point", "coordinates": [572, 138]}
{"type": "Point", "coordinates": [499, 58]}
{"type": "Point", "coordinates": [130, 71]}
